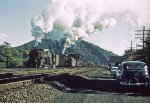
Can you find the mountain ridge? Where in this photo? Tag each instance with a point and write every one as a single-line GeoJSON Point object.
{"type": "Point", "coordinates": [88, 52]}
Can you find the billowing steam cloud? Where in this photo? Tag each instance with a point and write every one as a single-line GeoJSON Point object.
{"type": "Point", "coordinates": [72, 20]}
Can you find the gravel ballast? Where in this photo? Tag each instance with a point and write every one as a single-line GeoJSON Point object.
{"type": "Point", "coordinates": [37, 93]}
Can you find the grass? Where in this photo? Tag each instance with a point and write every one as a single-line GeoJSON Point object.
{"type": "Point", "coordinates": [28, 71]}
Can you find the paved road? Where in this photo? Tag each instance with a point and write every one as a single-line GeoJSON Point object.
{"type": "Point", "coordinates": [100, 98]}
{"type": "Point", "coordinates": [80, 90]}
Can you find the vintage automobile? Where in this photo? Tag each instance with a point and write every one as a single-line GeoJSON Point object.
{"type": "Point", "coordinates": [133, 73]}
{"type": "Point", "coordinates": [114, 71]}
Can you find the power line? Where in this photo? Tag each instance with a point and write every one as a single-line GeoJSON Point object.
{"type": "Point", "coordinates": [141, 36]}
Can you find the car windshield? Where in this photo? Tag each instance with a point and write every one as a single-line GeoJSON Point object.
{"type": "Point", "coordinates": [134, 65]}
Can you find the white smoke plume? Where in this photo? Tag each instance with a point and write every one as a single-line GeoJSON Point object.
{"type": "Point", "coordinates": [76, 19]}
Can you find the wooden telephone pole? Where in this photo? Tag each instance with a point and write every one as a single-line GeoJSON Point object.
{"type": "Point", "coordinates": [142, 36]}
{"type": "Point", "coordinates": [131, 45]}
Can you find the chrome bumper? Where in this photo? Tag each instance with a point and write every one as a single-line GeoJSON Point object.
{"type": "Point", "coordinates": [133, 84]}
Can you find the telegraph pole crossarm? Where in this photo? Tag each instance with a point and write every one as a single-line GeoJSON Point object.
{"type": "Point", "coordinates": [143, 36]}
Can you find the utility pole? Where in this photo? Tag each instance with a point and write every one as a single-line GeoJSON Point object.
{"type": "Point", "coordinates": [141, 36]}
{"type": "Point", "coordinates": [131, 45]}
{"type": "Point", "coordinates": [136, 46]}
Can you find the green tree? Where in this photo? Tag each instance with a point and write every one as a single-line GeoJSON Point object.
{"type": "Point", "coordinates": [11, 56]}
{"type": "Point", "coordinates": [130, 55]}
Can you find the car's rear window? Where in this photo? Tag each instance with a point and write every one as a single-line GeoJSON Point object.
{"type": "Point", "coordinates": [114, 68]}
{"type": "Point", "coordinates": [133, 65]}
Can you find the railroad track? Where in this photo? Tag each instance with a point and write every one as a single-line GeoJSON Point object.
{"type": "Point", "coordinates": [8, 80]}
{"type": "Point", "coordinates": [18, 81]}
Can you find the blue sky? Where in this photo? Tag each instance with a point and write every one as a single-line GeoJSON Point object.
{"type": "Point", "coordinates": [15, 19]}
{"type": "Point", "coordinates": [15, 26]}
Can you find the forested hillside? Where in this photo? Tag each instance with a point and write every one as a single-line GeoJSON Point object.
{"type": "Point", "coordinates": [88, 52]}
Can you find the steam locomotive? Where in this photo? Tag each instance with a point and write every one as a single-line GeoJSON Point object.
{"type": "Point", "coordinates": [40, 58]}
